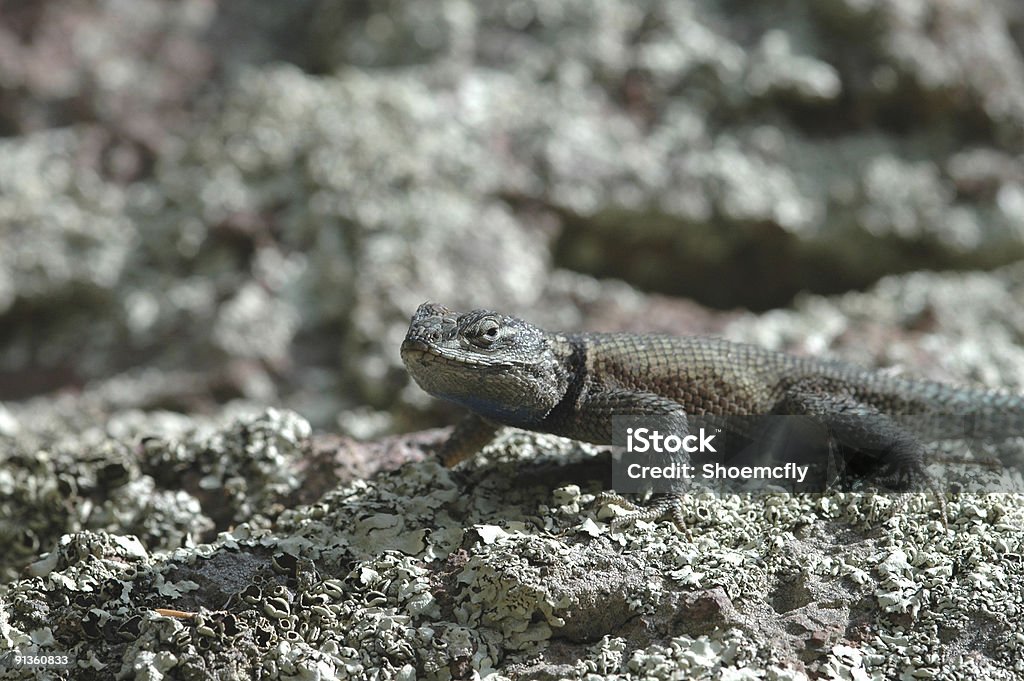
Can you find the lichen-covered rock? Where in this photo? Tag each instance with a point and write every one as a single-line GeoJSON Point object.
{"type": "Point", "coordinates": [428, 574]}
{"type": "Point", "coordinates": [507, 567]}
{"type": "Point", "coordinates": [374, 204]}
{"type": "Point", "coordinates": [281, 230]}
{"type": "Point", "coordinates": [59, 66]}
{"type": "Point", "coordinates": [953, 327]}
{"type": "Point", "coordinates": [827, 138]}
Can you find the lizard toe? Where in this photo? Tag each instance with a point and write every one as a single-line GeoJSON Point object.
{"type": "Point", "coordinates": [663, 506]}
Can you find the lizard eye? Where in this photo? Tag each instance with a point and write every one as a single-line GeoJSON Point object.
{"type": "Point", "coordinates": [486, 332]}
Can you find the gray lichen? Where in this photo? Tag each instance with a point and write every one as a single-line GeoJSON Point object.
{"type": "Point", "coordinates": [423, 574]}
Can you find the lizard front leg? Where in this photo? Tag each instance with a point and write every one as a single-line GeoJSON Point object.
{"type": "Point", "coordinates": [592, 421]}
{"type": "Point", "coordinates": [468, 437]}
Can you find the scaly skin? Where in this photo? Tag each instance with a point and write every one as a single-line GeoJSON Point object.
{"type": "Point", "coordinates": [508, 372]}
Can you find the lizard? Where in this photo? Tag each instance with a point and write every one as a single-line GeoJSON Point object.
{"type": "Point", "coordinates": [508, 372]}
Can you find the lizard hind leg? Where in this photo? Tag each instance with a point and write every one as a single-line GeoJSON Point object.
{"type": "Point", "coordinates": [885, 448]}
{"type": "Point", "coordinates": [859, 430]}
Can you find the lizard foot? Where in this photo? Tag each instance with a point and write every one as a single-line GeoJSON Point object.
{"type": "Point", "coordinates": [663, 506]}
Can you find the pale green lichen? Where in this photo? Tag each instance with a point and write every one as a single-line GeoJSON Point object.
{"type": "Point", "coordinates": [426, 573]}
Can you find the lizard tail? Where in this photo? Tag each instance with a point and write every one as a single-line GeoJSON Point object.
{"type": "Point", "coordinates": [995, 415]}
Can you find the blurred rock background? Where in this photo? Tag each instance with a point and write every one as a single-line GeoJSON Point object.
{"type": "Point", "coordinates": [203, 201]}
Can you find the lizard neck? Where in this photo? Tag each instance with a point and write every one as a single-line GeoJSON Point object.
{"type": "Point", "coordinates": [572, 362]}
{"type": "Point", "coordinates": [550, 388]}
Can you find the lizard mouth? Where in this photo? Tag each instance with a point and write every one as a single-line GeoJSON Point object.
{"type": "Point", "coordinates": [417, 348]}
{"type": "Point", "coordinates": [420, 352]}
{"type": "Point", "coordinates": [417, 353]}
{"type": "Point", "coordinates": [414, 345]}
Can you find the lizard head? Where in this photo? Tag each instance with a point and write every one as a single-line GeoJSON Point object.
{"type": "Point", "coordinates": [500, 367]}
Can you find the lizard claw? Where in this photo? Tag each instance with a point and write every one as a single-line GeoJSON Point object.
{"type": "Point", "coordinates": [664, 506]}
